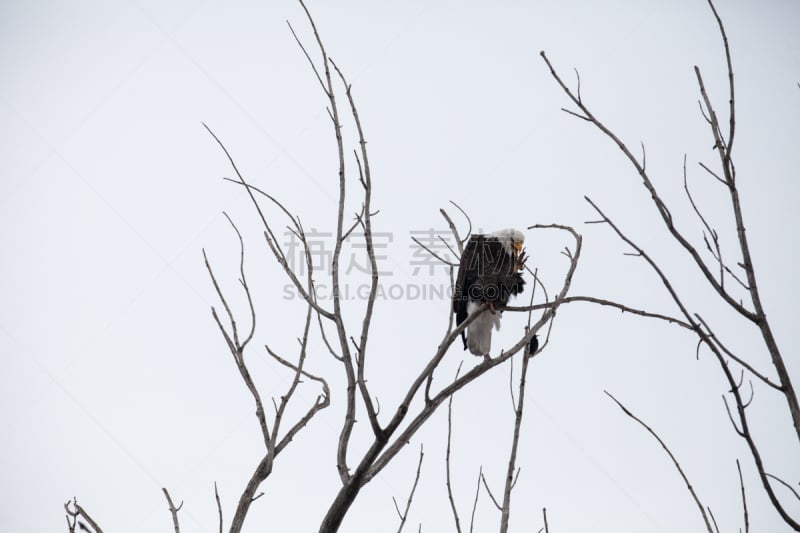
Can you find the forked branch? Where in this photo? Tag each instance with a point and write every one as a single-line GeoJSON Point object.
{"type": "Point", "coordinates": [173, 510]}
{"type": "Point", "coordinates": [754, 313]}
{"type": "Point", "coordinates": [274, 441]}
{"type": "Point", "coordinates": [656, 198]}
{"type": "Point", "coordinates": [77, 512]}
{"type": "Point", "coordinates": [404, 513]}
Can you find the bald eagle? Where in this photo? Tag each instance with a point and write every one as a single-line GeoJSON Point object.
{"type": "Point", "coordinates": [488, 275]}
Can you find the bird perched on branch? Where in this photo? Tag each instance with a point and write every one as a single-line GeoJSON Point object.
{"type": "Point", "coordinates": [533, 345]}
{"type": "Point", "coordinates": [488, 275]}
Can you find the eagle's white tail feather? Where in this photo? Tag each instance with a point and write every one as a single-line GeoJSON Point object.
{"type": "Point", "coordinates": [479, 333]}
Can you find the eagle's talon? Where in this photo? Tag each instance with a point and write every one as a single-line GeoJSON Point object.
{"type": "Point", "coordinates": [521, 260]}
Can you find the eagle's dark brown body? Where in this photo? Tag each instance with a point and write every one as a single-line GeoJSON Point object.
{"type": "Point", "coordinates": [488, 274]}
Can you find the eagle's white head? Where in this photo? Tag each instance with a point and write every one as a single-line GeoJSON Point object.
{"type": "Point", "coordinates": [512, 240]}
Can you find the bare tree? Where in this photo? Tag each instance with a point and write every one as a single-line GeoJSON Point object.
{"type": "Point", "coordinates": [346, 339]}
{"type": "Point", "coordinates": [730, 274]}
{"type": "Point", "coordinates": [392, 433]}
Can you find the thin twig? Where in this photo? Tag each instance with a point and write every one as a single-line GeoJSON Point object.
{"type": "Point", "coordinates": [744, 498]}
{"type": "Point", "coordinates": [717, 252]}
{"type": "Point", "coordinates": [603, 302]}
{"type": "Point", "coordinates": [475, 501]}
{"type": "Point", "coordinates": [404, 514]}
{"type": "Point", "coordinates": [79, 512]}
{"type": "Point", "coordinates": [714, 174]}
{"type": "Point", "coordinates": [713, 519]}
{"type": "Point", "coordinates": [489, 492]}
{"type": "Point", "coordinates": [447, 460]}
{"type": "Point", "coordinates": [173, 510]}
{"type": "Point", "coordinates": [782, 482]}
{"type": "Point", "coordinates": [671, 456]}
{"type": "Point", "coordinates": [512, 459]}
{"type": "Point", "coordinates": [219, 506]}
{"type": "Point", "coordinates": [308, 57]}
{"type": "Point", "coordinates": [434, 254]}
{"type": "Point", "coordinates": [468, 234]}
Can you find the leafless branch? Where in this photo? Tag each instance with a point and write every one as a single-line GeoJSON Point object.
{"type": "Point", "coordinates": [370, 305]}
{"type": "Point", "coordinates": [752, 394]}
{"type": "Point", "coordinates": [576, 115]}
{"type": "Point", "coordinates": [79, 512]}
{"type": "Point", "coordinates": [354, 382]}
{"type": "Point", "coordinates": [489, 492]}
{"type": "Point", "coordinates": [603, 302]}
{"type": "Point", "coordinates": [447, 461]}
{"type": "Point", "coordinates": [732, 99]}
{"type": "Point", "coordinates": [454, 231]}
{"type": "Point", "coordinates": [744, 498]}
{"type": "Point", "coordinates": [271, 435]}
{"type": "Point", "coordinates": [730, 415]}
{"type": "Point", "coordinates": [173, 510]}
{"type": "Point", "coordinates": [697, 501]}
{"type": "Point", "coordinates": [657, 201]}
{"type": "Point", "coordinates": [459, 241]}
{"type": "Point", "coordinates": [713, 519]}
{"type": "Point", "coordinates": [404, 515]}
{"type": "Point", "coordinates": [512, 459]}
{"type": "Point", "coordinates": [469, 222]}
{"type": "Point", "coordinates": [782, 482]}
{"type": "Point", "coordinates": [358, 220]}
{"type": "Point", "coordinates": [716, 253]}
{"type": "Point", "coordinates": [323, 400]}
{"type": "Point", "coordinates": [71, 521]}
{"type": "Point", "coordinates": [475, 501]}
{"type": "Point", "coordinates": [219, 506]}
{"type": "Point", "coordinates": [724, 149]}
{"type": "Point", "coordinates": [644, 156]}
{"type": "Point", "coordinates": [269, 235]}
{"type": "Point", "coordinates": [237, 349]}
{"type": "Point", "coordinates": [712, 173]}
{"type": "Point", "coordinates": [325, 339]}
{"type": "Point", "coordinates": [449, 248]}
{"type": "Point", "coordinates": [717, 341]}
{"type": "Point", "coordinates": [511, 384]}
{"type": "Point", "coordinates": [308, 57]}
{"type": "Point", "coordinates": [434, 254]}
{"type": "Point", "coordinates": [742, 428]}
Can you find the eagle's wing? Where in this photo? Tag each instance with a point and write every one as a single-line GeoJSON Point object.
{"type": "Point", "coordinates": [468, 271]}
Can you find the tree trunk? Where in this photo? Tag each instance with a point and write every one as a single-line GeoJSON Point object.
{"type": "Point", "coordinates": [347, 494]}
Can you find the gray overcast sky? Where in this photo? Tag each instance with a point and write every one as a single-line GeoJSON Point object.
{"type": "Point", "coordinates": [114, 380]}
